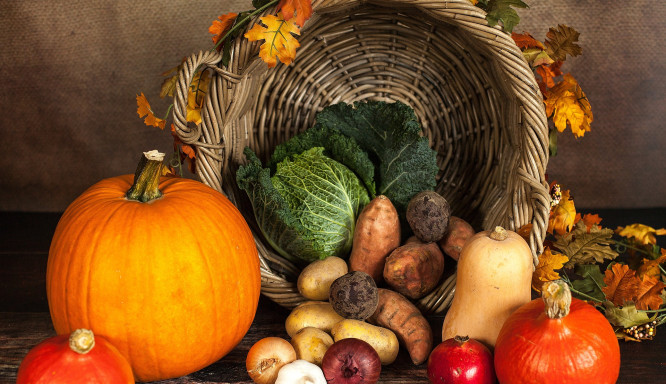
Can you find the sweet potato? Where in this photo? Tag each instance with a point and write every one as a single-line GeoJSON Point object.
{"type": "Point", "coordinates": [457, 233]}
{"type": "Point", "coordinates": [376, 235]}
{"type": "Point", "coordinates": [398, 314]}
{"type": "Point", "coordinates": [414, 269]}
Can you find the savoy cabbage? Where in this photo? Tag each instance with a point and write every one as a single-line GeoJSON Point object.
{"type": "Point", "coordinates": [307, 198]}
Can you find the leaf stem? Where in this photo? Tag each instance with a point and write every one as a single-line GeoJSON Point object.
{"type": "Point", "coordinates": [620, 243]}
{"type": "Point", "coordinates": [577, 292]}
{"type": "Point", "coordinates": [242, 22]}
{"type": "Point", "coordinates": [652, 310]}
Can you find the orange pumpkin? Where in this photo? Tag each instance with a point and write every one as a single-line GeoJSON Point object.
{"type": "Point", "coordinates": [169, 274]}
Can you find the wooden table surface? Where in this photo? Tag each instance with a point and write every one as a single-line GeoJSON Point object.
{"type": "Point", "coordinates": [25, 321]}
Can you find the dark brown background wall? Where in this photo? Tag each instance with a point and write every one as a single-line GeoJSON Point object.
{"type": "Point", "coordinates": [70, 71]}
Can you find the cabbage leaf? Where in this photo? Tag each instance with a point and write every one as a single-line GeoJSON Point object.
{"type": "Point", "coordinates": [307, 210]}
{"type": "Point", "coordinates": [391, 135]}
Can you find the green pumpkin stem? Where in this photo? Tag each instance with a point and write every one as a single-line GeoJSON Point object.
{"type": "Point", "coordinates": [556, 296]}
{"type": "Point", "coordinates": [147, 178]}
{"type": "Point", "coordinates": [81, 341]}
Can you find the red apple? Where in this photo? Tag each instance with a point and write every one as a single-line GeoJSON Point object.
{"type": "Point", "coordinates": [461, 360]}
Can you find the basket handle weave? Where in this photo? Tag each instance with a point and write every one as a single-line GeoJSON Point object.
{"type": "Point", "coordinates": [219, 109]}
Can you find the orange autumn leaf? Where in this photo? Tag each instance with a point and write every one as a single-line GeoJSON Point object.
{"type": "Point", "coordinates": [588, 219]}
{"type": "Point", "coordinates": [302, 8]}
{"type": "Point", "coordinates": [547, 74]}
{"type": "Point", "coordinates": [568, 105]}
{"type": "Point", "coordinates": [222, 25]}
{"type": "Point", "coordinates": [525, 40]}
{"type": "Point", "coordinates": [621, 284]}
{"type": "Point", "coordinates": [649, 293]}
{"type": "Point", "coordinates": [279, 41]}
{"type": "Point", "coordinates": [562, 215]}
{"type": "Point", "coordinates": [549, 262]}
{"type": "Point", "coordinates": [143, 109]}
{"type": "Point", "coordinates": [643, 234]}
{"type": "Point", "coordinates": [525, 231]}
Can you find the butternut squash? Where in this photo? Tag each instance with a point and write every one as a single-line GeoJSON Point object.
{"type": "Point", "coordinates": [493, 279]}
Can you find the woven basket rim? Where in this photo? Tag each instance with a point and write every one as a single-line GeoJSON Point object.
{"type": "Point", "coordinates": [246, 72]}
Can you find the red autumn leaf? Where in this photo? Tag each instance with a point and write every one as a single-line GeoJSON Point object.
{"type": "Point", "coordinates": [221, 26]}
{"type": "Point", "coordinates": [302, 8]}
{"type": "Point", "coordinates": [621, 284]}
{"type": "Point", "coordinates": [649, 291]}
{"type": "Point", "coordinates": [547, 74]}
{"type": "Point", "coordinates": [525, 40]}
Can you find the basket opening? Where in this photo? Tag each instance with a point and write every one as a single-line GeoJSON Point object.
{"type": "Point", "coordinates": [439, 69]}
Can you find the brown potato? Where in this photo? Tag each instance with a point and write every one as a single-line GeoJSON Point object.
{"type": "Point", "coordinates": [414, 269]}
{"type": "Point", "coordinates": [376, 235]}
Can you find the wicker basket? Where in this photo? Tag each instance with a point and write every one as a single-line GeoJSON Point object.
{"type": "Point", "coordinates": [476, 98]}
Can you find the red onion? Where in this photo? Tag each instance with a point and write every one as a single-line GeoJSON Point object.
{"type": "Point", "coordinates": [351, 361]}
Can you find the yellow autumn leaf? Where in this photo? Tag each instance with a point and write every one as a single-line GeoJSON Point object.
{"type": "Point", "coordinates": [279, 41]}
{"type": "Point", "coordinates": [143, 109]}
{"type": "Point", "coordinates": [643, 234]}
{"type": "Point", "coordinates": [549, 262]}
{"type": "Point", "coordinates": [567, 104]}
{"type": "Point", "coordinates": [563, 215]}
{"type": "Point", "coordinates": [196, 96]}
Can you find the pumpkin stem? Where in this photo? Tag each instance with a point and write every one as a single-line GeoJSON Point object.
{"type": "Point", "coordinates": [82, 341]}
{"type": "Point", "coordinates": [498, 234]}
{"type": "Point", "coordinates": [556, 296]}
{"type": "Point", "coordinates": [147, 178]}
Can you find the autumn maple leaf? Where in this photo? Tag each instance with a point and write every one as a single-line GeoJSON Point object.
{"type": "Point", "coordinates": [549, 262]}
{"type": "Point", "coordinates": [143, 109]}
{"type": "Point", "coordinates": [650, 267]}
{"type": "Point", "coordinates": [221, 26]}
{"type": "Point", "coordinates": [590, 220]}
{"type": "Point", "coordinates": [562, 215]}
{"type": "Point", "coordinates": [196, 95]}
{"type": "Point", "coordinates": [280, 44]}
{"type": "Point", "coordinates": [525, 40]}
{"type": "Point", "coordinates": [561, 42]}
{"type": "Point", "coordinates": [547, 74]}
{"type": "Point", "coordinates": [302, 8]}
{"type": "Point", "coordinates": [648, 293]}
{"type": "Point", "coordinates": [621, 284]}
{"type": "Point", "coordinates": [567, 104]}
{"type": "Point", "coordinates": [643, 234]}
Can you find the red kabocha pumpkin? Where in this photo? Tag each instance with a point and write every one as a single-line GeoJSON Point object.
{"type": "Point", "coordinates": [557, 339]}
{"type": "Point", "coordinates": [77, 358]}
{"type": "Point", "coordinates": [165, 268]}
